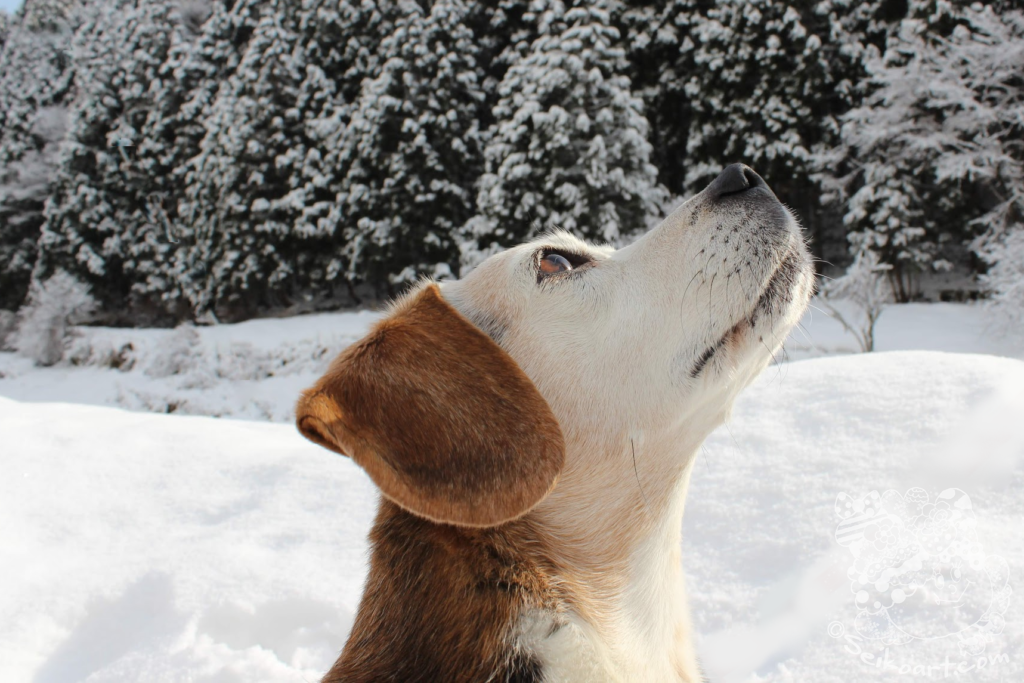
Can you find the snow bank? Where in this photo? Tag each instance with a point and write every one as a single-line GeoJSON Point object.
{"type": "Point", "coordinates": [767, 576]}
{"type": "Point", "coordinates": [138, 547]}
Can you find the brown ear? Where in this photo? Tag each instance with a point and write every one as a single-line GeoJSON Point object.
{"type": "Point", "coordinates": [441, 418]}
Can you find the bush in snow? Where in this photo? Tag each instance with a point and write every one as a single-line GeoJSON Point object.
{"type": "Point", "coordinates": [866, 287]}
{"type": "Point", "coordinates": [86, 350]}
{"type": "Point", "coordinates": [52, 307]}
{"type": "Point", "coordinates": [178, 355]}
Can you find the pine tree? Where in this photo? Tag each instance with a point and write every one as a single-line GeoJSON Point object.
{"type": "Point", "coordinates": [103, 222]}
{"type": "Point", "coordinates": [661, 53]}
{"type": "Point", "coordinates": [412, 150]}
{"type": "Point", "coordinates": [205, 47]}
{"type": "Point", "coordinates": [240, 184]}
{"type": "Point", "coordinates": [341, 43]}
{"type": "Point", "coordinates": [569, 147]}
{"type": "Point", "coordinates": [503, 31]}
{"type": "Point", "coordinates": [35, 85]}
{"type": "Point", "coordinates": [344, 40]}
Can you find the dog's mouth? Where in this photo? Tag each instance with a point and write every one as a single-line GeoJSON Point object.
{"type": "Point", "coordinates": [778, 291]}
{"type": "Point", "coordinates": [776, 295]}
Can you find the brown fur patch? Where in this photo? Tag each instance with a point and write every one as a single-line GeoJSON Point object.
{"type": "Point", "coordinates": [441, 603]}
{"type": "Point", "coordinates": [441, 418]}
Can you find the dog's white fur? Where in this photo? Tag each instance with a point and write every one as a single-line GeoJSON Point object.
{"type": "Point", "coordinates": [613, 348]}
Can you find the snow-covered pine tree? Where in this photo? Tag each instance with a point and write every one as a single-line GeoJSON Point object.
{"type": "Point", "coordinates": [570, 145]}
{"type": "Point", "coordinates": [341, 46]}
{"type": "Point", "coordinates": [239, 194]}
{"type": "Point", "coordinates": [343, 40]}
{"type": "Point", "coordinates": [503, 31]}
{"type": "Point", "coordinates": [35, 85]}
{"type": "Point", "coordinates": [343, 51]}
{"type": "Point", "coordinates": [412, 150]}
{"type": "Point", "coordinates": [103, 222]}
{"type": "Point", "coordinates": [853, 32]}
{"type": "Point", "coordinates": [206, 41]}
{"type": "Point", "coordinates": [191, 15]}
{"type": "Point", "coordinates": [987, 56]}
{"type": "Point", "coordinates": [661, 53]}
{"type": "Point", "coordinates": [933, 149]}
{"type": "Point", "coordinates": [858, 31]}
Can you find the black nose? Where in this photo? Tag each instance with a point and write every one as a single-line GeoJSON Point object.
{"type": "Point", "coordinates": [734, 179]}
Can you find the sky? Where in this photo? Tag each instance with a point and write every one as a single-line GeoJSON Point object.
{"type": "Point", "coordinates": [10, 5]}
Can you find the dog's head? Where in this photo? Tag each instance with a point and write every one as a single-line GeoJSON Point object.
{"type": "Point", "coordinates": [560, 359]}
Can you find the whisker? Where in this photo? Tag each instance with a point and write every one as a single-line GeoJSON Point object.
{"type": "Point", "coordinates": [704, 451]}
{"type": "Point", "coordinates": [770, 352]}
{"type": "Point", "coordinates": [803, 330]}
{"type": "Point", "coordinates": [711, 289]}
{"type": "Point", "coordinates": [699, 272]}
{"type": "Point", "coordinates": [632, 448]}
{"type": "Point", "coordinates": [824, 313]}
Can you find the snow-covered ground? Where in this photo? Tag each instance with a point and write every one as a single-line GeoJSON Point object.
{"type": "Point", "coordinates": [255, 370]}
{"type": "Point", "coordinates": [252, 370]}
{"type": "Point", "coordinates": [141, 547]}
{"type": "Point", "coordinates": [144, 547]}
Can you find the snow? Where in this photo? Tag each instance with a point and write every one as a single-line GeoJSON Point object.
{"type": "Point", "coordinates": [166, 548]}
{"type": "Point", "coordinates": [254, 369]}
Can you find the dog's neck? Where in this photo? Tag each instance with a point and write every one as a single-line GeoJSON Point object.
{"type": "Point", "coordinates": [621, 567]}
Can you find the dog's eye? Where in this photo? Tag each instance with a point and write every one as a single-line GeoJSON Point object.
{"type": "Point", "coordinates": [554, 263]}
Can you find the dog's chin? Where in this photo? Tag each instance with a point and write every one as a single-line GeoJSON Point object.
{"type": "Point", "coordinates": [757, 334]}
{"type": "Point", "coordinates": [780, 290]}
{"type": "Point", "coordinates": [782, 300]}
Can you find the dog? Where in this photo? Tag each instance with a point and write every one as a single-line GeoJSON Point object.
{"type": "Point", "coordinates": [532, 428]}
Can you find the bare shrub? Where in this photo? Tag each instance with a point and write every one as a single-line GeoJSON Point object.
{"type": "Point", "coordinates": [866, 287]}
